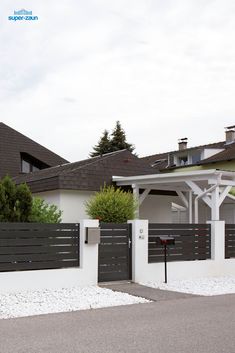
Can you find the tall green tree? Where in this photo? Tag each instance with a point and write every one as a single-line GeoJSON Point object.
{"type": "Point", "coordinates": [103, 146]}
{"type": "Point", "coordinates": [118, 141]}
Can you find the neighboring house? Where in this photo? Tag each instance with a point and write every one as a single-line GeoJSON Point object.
{"type": "Point", "coordinates": [168, 198]}
{"type": "Point", "coordinates": [20, 154]}
{"type": "Point", "coordinates": [219, 155]}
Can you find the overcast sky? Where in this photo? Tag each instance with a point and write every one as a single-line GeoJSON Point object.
{"type": "Point", "coordinates": [165, 69]}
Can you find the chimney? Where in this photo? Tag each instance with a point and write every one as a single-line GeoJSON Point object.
{"type": "Point", "coordinates": [230, 134]}
{"type": "Point", "coordinates": [183, 143]}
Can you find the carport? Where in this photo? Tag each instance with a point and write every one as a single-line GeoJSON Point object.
{"type": "Point", "coordinates": [211, 186]}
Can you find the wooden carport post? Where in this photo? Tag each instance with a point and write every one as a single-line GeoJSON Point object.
{"type": "Point", "coordinates": [136, 193]}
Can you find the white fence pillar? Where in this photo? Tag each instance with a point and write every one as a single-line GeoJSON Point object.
{"type": "Point", "coordinates": [217, 240]}
{"type": "Point", "coordinates": [88, 253]}
{"type": "Point", "coordinates": [139, 249]}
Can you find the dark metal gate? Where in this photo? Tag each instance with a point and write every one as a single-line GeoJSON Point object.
{"type": "Point", "coordinates": [115, 252]}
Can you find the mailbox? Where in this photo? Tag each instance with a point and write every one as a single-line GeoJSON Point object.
{"type": "Point", "coordinates": [92, 235]}
{"type": "Point", "coordinates": [166, 241]}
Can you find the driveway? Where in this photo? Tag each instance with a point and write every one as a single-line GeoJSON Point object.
{"type": "Point", "coordinates": [188, 325]}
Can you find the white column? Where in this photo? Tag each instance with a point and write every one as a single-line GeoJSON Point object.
{"type": "Point", "coordinates": [136, 195]}
{"type": "Point", "coordinates": [88, 253]}
{"type": "Point", "coordinates": [215, 204]}
{"type": "Point", "coordinates": [217, 240]}
{"type": "Point", "coordinates": [139, 249]}
{"type": "Point", "coordinates": [190, 206]}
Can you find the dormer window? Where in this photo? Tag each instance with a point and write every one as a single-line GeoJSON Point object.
{"type": "Point", "coordinates": [31, 164]}
{"type": "Point", "coordinates": [196, 157]}
{"type": "Point", "coordinates": [183, 160]}
{"type": "Point", "coordinates": [187, 158]}
{"type": "Point", "coordinates": [25, 166]}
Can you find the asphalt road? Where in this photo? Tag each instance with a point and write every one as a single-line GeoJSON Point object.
{"type": "Point", "coordinates": [192, 325]}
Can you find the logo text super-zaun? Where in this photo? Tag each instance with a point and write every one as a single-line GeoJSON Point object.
{"type": "Point", "coordinates": [23, 15]}
{"type": "Point", "coordinates": [21, 18]}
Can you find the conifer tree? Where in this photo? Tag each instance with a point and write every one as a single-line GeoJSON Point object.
{"type": "Point", "coordinates": [15, 201]}
{"type": "Point", "coordinates": [118, 141]}
{"type": "Point", "coordinates": [103, 146]}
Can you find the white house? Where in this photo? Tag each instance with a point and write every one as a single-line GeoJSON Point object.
{"type": "Point", "coordinates": [204, 195]}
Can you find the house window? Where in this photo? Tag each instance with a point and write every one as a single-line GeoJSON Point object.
{"type": "Point", "coordinates": [25, 166]}
{"type": "Point", "coordinates": [34, 168]}
{"type": "Point", "coordinates": [183, 160]}
{"type": "Point", "coordinates": [28, 167]}
{"type": "Point", "coordinates": [196, 157]}
{"type": "Point", "coordinates": [31, 164]}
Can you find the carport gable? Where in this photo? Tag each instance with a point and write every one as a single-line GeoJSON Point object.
{"type": "Point", "coordinates": [212, 186]}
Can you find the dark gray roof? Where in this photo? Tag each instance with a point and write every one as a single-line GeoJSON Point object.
{"type": "Point", "coordinates": [13, 144]}
{"type": "Point", "coordinates": [160, 160]}
{"type": "Point", "coordinates": [226, 155]}
{"type": "Point", "coordinates": [165, 160]}
{"type": "Point", "coordinates": [89, 174]}
{"type": "Point", "coordinates": [92, 173]}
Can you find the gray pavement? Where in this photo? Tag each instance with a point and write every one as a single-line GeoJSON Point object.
{"type": "Point", "coordinates": [145, 292]}
{"type": "Point", "coordinates": [192, 325]}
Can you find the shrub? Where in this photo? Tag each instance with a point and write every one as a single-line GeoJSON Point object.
{"type": "Point", "coordinates": [232, 191]}
{"type": "Point", "coordinates": [15, 201]}
{"type": "Point", "coordinates": [111, 205]}
{"type": "Point", "coordinates": [42, 212]}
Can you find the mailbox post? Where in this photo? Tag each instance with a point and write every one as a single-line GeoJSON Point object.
{"type": "Point", "coordinates": [165, 241]}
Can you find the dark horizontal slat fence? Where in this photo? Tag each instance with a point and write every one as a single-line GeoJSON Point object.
{"type": "Point", "coordinates": [192, 242]}
{"type": "Point", "coordinates": [35, 246]}
{"type": "Point", "coordinates": [114, 252]}
{"type": "Point", "coordinates": [229, 241]}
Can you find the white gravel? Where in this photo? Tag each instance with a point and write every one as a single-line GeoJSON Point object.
{"type": "Point", "coordinates": [201, 286]}
{"type": "Point", "coordinates": [39, 302]}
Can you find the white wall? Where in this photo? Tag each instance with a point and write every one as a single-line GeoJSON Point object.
{"type": "Point", "coordinates": [71, 202]}
{"type": "Point", "coordinates": [51, 197]}
{"type": "Point", "coordinates": [179, 216]}
{"type": "Point", "coordinates": [227, 212]}
{"type": "Point", "coordinates": [43, 279]}
{"type": "Point", "coordinates": [209, 152]}
{"type": "Point", "coordinates": [157, 208]}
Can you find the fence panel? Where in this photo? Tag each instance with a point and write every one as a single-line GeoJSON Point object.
{"type": "Point", "coordinates": [192, 242]}
{"type": "Point", "coordinates": [229, 241]}
{"type": "Point", "coordinates": [34, 246]}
